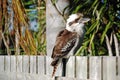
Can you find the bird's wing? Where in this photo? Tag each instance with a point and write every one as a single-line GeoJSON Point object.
{"type": "Point", "coordinates": [69, 45]}
{"type": "Point", "coordinates": [59, 35]}
{"type": "Point", "coordinates": [64, 43]}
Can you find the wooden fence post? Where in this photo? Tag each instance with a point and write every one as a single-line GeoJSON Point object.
{"type": "Point", "coordinates": [95, 68]}
{"type": "Point", "coordinates": [26, 64]}
{"type": "Point", "coordinates": [118, 67]}
{"type": "Point", "coordinates": [1, 63]}
{"type": "Point", "coordinates": [32, 64]}
{"type": "Point", "coordinates": [70, 67]}
{"type": "Point", "coordinates": [19, 63]}
{"type": "Point", "coordinates": [109, 68]}
{"type": "Point", "coordinates": [7, 63]}
{"type": "Point", "coordinates": [41, 65]}
{"type": "Point", "coordinates": [13, 64]}
{"type": "Point", "coordinates": [81, 67]}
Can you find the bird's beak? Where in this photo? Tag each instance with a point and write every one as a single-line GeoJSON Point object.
{"type": "Point", "coordinates": [84, 20]}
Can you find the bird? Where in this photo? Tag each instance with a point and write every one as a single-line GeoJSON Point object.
{"type": "Point", "coordinates": [69, 40]}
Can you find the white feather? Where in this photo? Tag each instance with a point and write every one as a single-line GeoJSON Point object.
{"type": "Point", "coordinates": [77, 27]}
{"type": "Point", "coordinates": [72, 18]}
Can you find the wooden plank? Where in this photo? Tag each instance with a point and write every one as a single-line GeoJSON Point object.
{"type": "Point", "coordinates": [37, 77]}
{"type": "Point", "coordinates": [20, 76]}
{"type": "Point", "coordinates": [68, 78]}
{"type": "Point", "coordinates": [26, 64]}
{"type": "Point", "coordinates": [95, 68]}
{"type": "Point", "coordinates": [42, 77]}
{"type": "Point", "coordinates": [3, 76]}
{"type": "Point", "coordinates": [49, 68]}
{"type": "Point", "coordinates": [32, 64]}
{"type": "Point", "coordinates": [81, 67]}
{"type": "Point", "coordinates": [41, 65]}
{"type": "Point", "coordinates": [70, 67]}
{"type": "Point", "coordinates": [13, 64]}
{"type": "Point", "coordinates": [119, 67]}
{"type": "Point", "coordinates": [65, 78]}
{"type": "Point", "coordinates": [118, 77]}
{"type": "Point", "coordinates": [12, 76]}
{"type": "Point", "coordinates": [7, 63]}
{"type": "Point", "coordinates": [109, 68]}
{"type": "Point", "coordinates": [23, 76]}
{"type": "Point", "coordinates": [1, 64]}
{"type": "Point", "coordinates": [19, 63]}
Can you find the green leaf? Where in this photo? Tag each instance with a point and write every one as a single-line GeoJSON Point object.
{"type": "Point", "coordinates": [93, 26]}
{"type": "Point", "coordinates": [95, 8]}
{"type": "Point", "coordinates": [93, 48]}
{"type": "Point", "coordinates": [93, 5]}
{"type": "Point", "coordinates": [105, 31]}
{"type": "Point", "coordinates": [77, 8]}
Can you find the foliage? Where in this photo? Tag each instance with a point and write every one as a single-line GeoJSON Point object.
{"type": "Point", "coordinates": [16, 36]}
{"type": "Point", "coordinates": [105, 22]}
{"type": "Point", "coordinates": [36, 11]}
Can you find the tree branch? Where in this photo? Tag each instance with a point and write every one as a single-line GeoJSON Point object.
{"type": "Point", "coordinates": [116, 45]}
{"type": "Point", "coordinates": [6, 45]}
{"type": "Point", "coordinates": [108, 46]}
{"type": "Point", "coordinates": [58, 10]}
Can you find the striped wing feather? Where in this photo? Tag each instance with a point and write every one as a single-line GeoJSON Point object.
{"type": "Point", "coordinates": [65, 41]}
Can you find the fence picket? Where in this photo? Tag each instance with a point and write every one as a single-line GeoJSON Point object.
{"type": "Point", "coordinates": [95, 68]}
{"type": "Point", "coordinates": [7, 63]}
{"type": "Point", "coordinates": [19, 63]}
{"type": "Point", "coordinates": [81, 67]}
{"type": "Point", "coordinates": [68, 78]}
{"type": "Point", "coordinates": [33, 64]}
{"type": "Point", "coordinates": [48, 68]}
{"type": "Point", "coordinates": [119, 67]}
{"type": "Point", "coordinates": [23, 76]}
{"type": "Point", "coordinates": [3, 76]}
{"type": "Point", "coordinates": [41, 65]}
{"type": "Point", "coordinates": [12, 76]}
{"type": "Point", "coordinates": [13, 63]}
{"type": "Point", "coordinates": [100, 68]}
{"type": "Point", "coordinates": [64, 78]}
{"type": "Point", "coordinates": [26, 64]}
{"type": "Point", "coordinates": [70, 67]}
{"type": "Point", "coordinates": [109, 68]}
{"type": "Point", "coordinates": [1, 63]}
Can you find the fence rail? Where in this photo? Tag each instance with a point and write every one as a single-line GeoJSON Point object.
{"type": "Point", "coordinates": [92, 68]}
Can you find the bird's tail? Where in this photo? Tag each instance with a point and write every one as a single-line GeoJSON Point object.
{"type": "Point", "coordinates": [54, 64]}
{"type": "Point", "coordinates": [54, 70]}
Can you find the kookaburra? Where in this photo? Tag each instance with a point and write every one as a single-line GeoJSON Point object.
{"type": "Point", "coordinates": [69, 40]}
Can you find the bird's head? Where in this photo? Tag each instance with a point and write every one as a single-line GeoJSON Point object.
{"type": "Point", "coordinates": [76, 22]}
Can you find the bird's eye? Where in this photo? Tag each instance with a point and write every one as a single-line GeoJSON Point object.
{"type": "Point", "coordinates": [70, 23]}
{"type": "Point", "coordinates": [76, 20]}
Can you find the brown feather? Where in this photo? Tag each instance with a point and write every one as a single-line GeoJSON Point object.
{"type": "Point", "coordinates": [62, 40]}
{"type": "Point", "coordinates": [54, 62]}
{"type": "Point", "coordinates": [54, 70]}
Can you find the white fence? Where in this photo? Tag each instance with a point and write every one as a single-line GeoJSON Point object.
{"type": "Point", "coordinates": [77, 68]}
